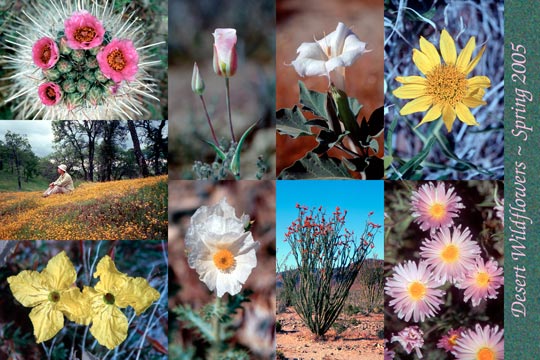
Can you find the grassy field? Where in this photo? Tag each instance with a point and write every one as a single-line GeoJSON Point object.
{"type": "Point", "coordinates": [8, 182]}
{"type": "Point", "coordinates": [116, 210]}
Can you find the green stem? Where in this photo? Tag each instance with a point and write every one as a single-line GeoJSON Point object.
{"type": "Point", "coordinates": [216, 346]}
{"type": "Point", "coordinates": [209, 121]}
{"type": "Point", "coordinates": [229, 108]}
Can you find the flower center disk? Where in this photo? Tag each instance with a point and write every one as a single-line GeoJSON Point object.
{"type": "Point", "coordinates": [446, 85]}
{"type": "Point", "coordinates": [108, 298]}
{"type": "Point", "coordinates": [450, 253]}
{"type": "Point", "coordinates": [116, 60]}
{"type": "Point", "coordinates": [54, 296]}
{"type": "Point", "coordinates": [417, 290]}
{"type": "Point", "coordinates": [437, 211]}
{"type": "Point", "coordinates": [482, 279]}
{"type": "Point", "coordinates": [51, 94]}
{"type": "Point", "coordinates": [84, 34]}
{"type": "Point", "coordinates": [46, 54]}
{"type": "Point", "coordinates": [224, 260]}
{"type": "Point", "coordinates": [485, 354]}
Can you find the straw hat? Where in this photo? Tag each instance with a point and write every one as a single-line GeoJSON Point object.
{"type": "Point", "coordinates": [62, 167]}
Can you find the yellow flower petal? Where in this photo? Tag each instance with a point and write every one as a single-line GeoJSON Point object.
{"type": "Point", "coordinates": [410, 91]}
{"type": "Point", "coordinates": [479, 82]}
{"type": "Point", "coordinates": [449, 116]}
{"type": "Point", "coordinates": [76, 306]}
{"type": "Point", "coordinates": [475, 61]}
{"type": "Point", "coordinates": [433, 114]}
{"type": "Point", "coordinates": [422, 61]}
{"type": "Point", "coordinates": [59, 272]}
{"type": "Point", "coordinates": [473, 102]}
{"type": "Point", "coordinates": [110, 279]}
{"type": "Point", "coordinates": [448, 48]}
{"type": "Point", "coordinates": [27, 287]}
{"type": "Point", "coordinates": [465, 115]}
{"type": "Point", "coordinates": [419, 104]}
{"type": "Point", "coordinates": [109, 326]}
{"type": "Point", "coordinates": [47, 321]}
{"type": "Point", "coordinates": [412, 80]}
{"type": "Point", "coordinates": [430, 51]}
{"type": "Point", "coordinates": [465, 55]}
{"type": "Point", "coordinates": [139, 294]}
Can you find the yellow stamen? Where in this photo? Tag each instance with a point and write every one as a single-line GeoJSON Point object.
{"type": "Point", "coordinates": [450, 254]}
{"type": "Point", "coordinates": [485, 354]}
{"type": "Point", "coordinates": [446, 85]}
{"type": "Point", "coordinates": [224, 260]}
{"type": "Point", "coordinates": [417, 290]}
{"type": "Point", "coordinates": [437, 211]}
{"type": "Point", "coordinates": [452, 340]}
{"type": "Point", "coordinates": [116, 60]}
{"type": "Point", "coordinates": [482, 279]}
{"type": "Point", "coordinates": [84, 34]}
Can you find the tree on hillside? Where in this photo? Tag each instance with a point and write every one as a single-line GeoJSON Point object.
{"type": "Point", "coordinates": [20, 155]}
{"type": "Point", "coordinates": [157, 144]}
{"type": "Point", "coordinates": [114, 133]}
{"type": "Point", "coordinates": [82, 136]}
{"type": "Point", "coordinates": [139, 156]}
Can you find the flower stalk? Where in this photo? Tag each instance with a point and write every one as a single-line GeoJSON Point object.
{"type": "Point", "coordinates": [228, 99]}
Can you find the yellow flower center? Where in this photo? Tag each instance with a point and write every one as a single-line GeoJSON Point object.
{"type": "Point", "coordinates": [482, 279]}
{"type": "Point", "coordinates": [108, 298]}
{"type": "Point", "coordinates": [446, 85]}
{"type": "Point", "coordinates": [450, 253]}
{"type": "Point", "coordinates": [116, 60]}
{"type": "Point", "coordinates": [452, 340]}
{"type": "Point", "coordinates": [224, 260]}
{"type": "Point", "coordinates": [437, 211]}
{"type": "Point", "coordinates": [84, 34]}
{"type": "Point", "coordinates": [417, 290]}
{"type": "Point", "coordinates": [485, 354]}
{"type": "Point", "coordinates": [54, 296]}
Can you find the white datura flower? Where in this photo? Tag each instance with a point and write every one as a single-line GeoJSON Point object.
{"type": "Point", "coordinates": [220, 249]}
{"type": "Point", "coordinates": [335, 51]}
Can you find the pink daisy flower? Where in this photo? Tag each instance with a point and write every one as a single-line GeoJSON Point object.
{"type": "Point", "coordinates": [83, 30]}
{"type": "Point", "coordinates": [411, 338]}
{"type": "Point", "coordinates": [49, 93]}
{"type": "Point", "coordinates": [434, 207]}
{"type": "Point", "coordinates": [482, 281]}
{"type": "Point", "coordinates": [119, 60]}
{"type": "Point", "coordinates": [483, 344]}
{"type": "Point", "coordinates": [45, 53]}
{"type": "Point", "coordinates": [449, 341]}
{"type": "Point", "coordinates": [414, 293]}
{"type": "Point", "coordinates": [450, 253]}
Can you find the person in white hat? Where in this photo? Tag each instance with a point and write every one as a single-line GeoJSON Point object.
{"type": "Point", "coordinates": [62, 185]}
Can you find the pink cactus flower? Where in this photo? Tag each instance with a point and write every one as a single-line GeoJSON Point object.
{"type": "Point", "coordinates": [119, 60]}
{"type": "Point", "coordinates": [225, 58]}
{"type": "Point", "coordinates": [45, 53]}
{"type": "Point", "coordinates": [49, 93]}
{"type": "Point", "coordinates": [83, 31]}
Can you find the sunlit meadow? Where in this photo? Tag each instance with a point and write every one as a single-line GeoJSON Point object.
{"type": "Point", "coordinates": [117, 210]}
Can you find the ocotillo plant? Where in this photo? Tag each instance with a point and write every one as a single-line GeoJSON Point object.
{"type": "Point", "coordinates": [328, 258]}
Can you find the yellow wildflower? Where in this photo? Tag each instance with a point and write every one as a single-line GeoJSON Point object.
{"type": "Point", "coordinates": [51, 295]}
{"type": "Point", "coordinates": [445, 90]}
{"type": "Point", "coordinates": [116, 290]}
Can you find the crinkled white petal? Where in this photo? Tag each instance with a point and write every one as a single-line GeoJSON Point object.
{"type": "Point", "coordinates": [311, 60]}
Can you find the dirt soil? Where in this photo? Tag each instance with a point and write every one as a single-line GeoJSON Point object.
{"type": "Point", "coordinates": [359, 341]}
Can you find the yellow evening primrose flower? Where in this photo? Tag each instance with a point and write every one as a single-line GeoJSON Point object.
{"type": "Point", "coordinates": [50, 295]}
{"type": "Point", "coordinates": [445, 90]}
{"type": "Point", "coordinates": [116, 290]}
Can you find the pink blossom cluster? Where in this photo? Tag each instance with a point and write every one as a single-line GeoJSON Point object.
{"type": "Point", "coordinates": [117, 59]}
{"type": "Point", "coordinates": [447, 256]}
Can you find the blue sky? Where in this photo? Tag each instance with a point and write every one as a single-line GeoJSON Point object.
{"type": "Point", "coordinates": [357, 197]}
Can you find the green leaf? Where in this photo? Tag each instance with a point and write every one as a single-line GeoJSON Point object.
{"type": "Point", "coordinates": [218, 151]}
{"type": "Point", "coordinates": [313, 101]}
{"type": "Point", "coordinates": [292, 122]}
{"type": "Point", "coordinates": [346, 115]}
{"type": "Point", "coordinates": [193, 320]}
{"type": "Point", "coordinates": [355, 106]}
{"type": "Point", "coordinates": [388, 159]}
{"type": "Point", "coordinates": [413, 165]}
{"type": "Point", "coordinates": [313, 167]}
{"type": "Point", "coordinates": [328, 139]}
{"type": "Point", "coordinates": [235, 163]}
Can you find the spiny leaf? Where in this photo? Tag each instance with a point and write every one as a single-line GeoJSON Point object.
{"type": "Point", "coordinates": [313, 101]}
{"type": "Point", "coordinates": [292, 122]}
{"type": "Point", "coordinates": [193, 320]}
{"type": "Point", "coordinates": [313, 167]}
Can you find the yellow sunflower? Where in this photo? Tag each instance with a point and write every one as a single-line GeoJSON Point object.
{"type": "Point", "coordinates": [445, 90]}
